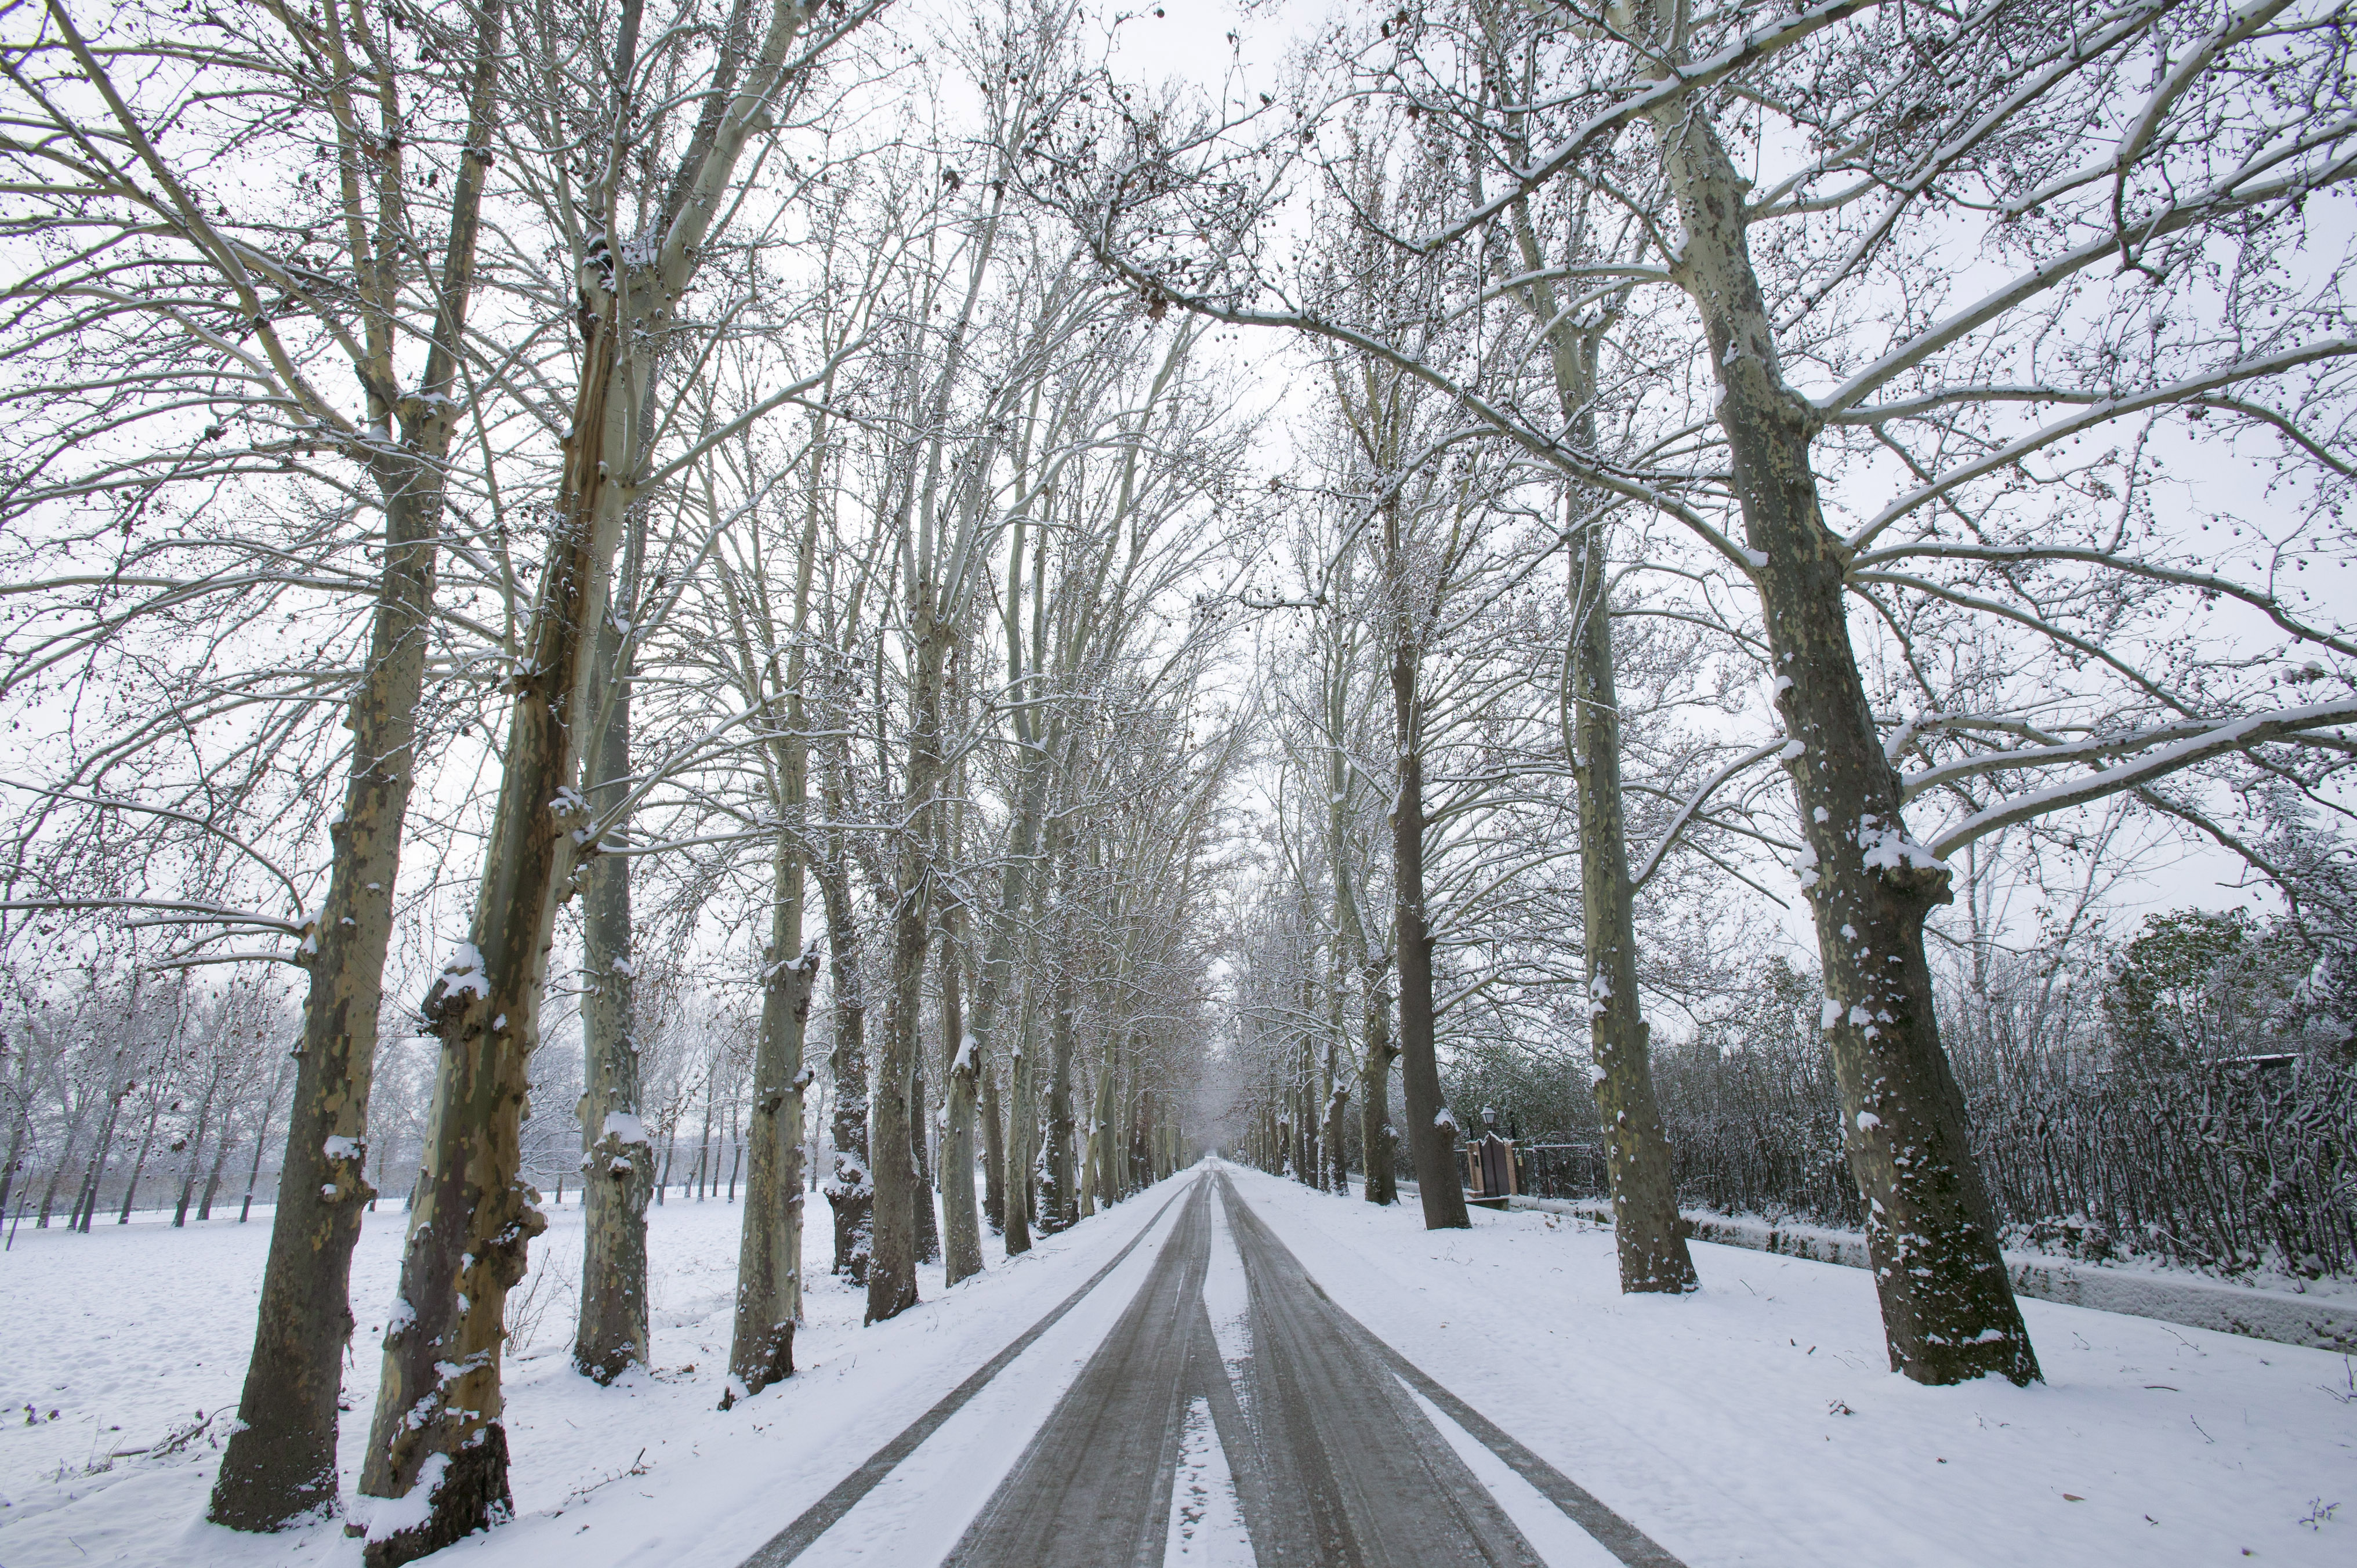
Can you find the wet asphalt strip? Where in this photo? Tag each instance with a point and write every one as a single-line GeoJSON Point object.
{"type": "Point", "coordinates": [1333, 1462]}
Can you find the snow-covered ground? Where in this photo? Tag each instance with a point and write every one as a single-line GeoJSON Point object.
{"type": "Point", "coordinates": [1757, 1422]}
{"type": "Point", "coordinates": [126, 1333]}
{"type": "Point", "coordinates": [1752, 1424]}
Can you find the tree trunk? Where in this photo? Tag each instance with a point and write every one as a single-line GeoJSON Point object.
{"type": "Point", "coordinates": [65, 1161]}
{"type": "Point", "coordinates": [196, 1153]}
{"type": "Point", "coordinates": [1060, 1206]}
{"type": "Point", "coordinates": [1377, 1139]}
{"type": "Point", "coordinates": [962, 1230]}
{"type": "Point", "coordinates": [1095, 1167]}
{"type": "Point", "coordinates": [1645, 1226]}
{"type": "Point", "coordinates": [892, 1271]}
{"type": "Point", "coordinates": [253, 1177]}
{"type": "Point", "coordinates": [27, 1088]}
{"type": "Point", "coordinates": [221, 1147]}
{"type": "Point", "coordinates": [701, 1180]}
{"type": "Point", "coordinates": [439, 1401]}
{"type": "Point", "coordinates": [1337, 1109]}
{"type": "Point", "coordinates": [146, 1143]}
{"type": "Point", "coordinates": [920, 1124]}
{"type": "Point", "coordinates": [769, 1259]}
{"type": "Point", "coordinates": [1022, 1134]}
{"type": "Point", "coordinates": [279, 1467]}
{"type": "Point", "coordinates": [86, 1201]}
{"type": "Point", "coordinates": [1948, 1308]}
{"type": "Point", "coordinates": [992, 988]}
{"type": "Point", "coordinates": [1431, 1132]}
{"type": "Point", "coordinates": [618, 1162]}
{"type": "Point", "coordinates": [994, 1154]}
{"type": "Point", "coordinates": [850, 1185]}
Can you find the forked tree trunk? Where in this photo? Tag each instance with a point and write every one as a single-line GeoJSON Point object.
{"type": "Point", "coordinates": [437, 1442]}
{"type": "Point", "coordinates": [618, 1161]}
{"type": "Point", "coordinates": [1948, 1308]}
{"type": "Point", "coordinates": [279, 1467]}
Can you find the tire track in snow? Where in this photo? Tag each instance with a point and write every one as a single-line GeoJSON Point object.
{"type": "Point", "coordinates": [814, 1522]}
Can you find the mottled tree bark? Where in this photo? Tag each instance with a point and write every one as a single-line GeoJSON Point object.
{"type": "Point", "coordinates": [1022, 1131]}
{"type": "Point", "coordinates": [850, 1187]}
{"type": "Point", "coordinates": [1061, 1208]}
{"type": "Point", "coordinates": [439, 1404]}
{"type": "Point", "coordinates": [1645, 1227]}
{"type": "Point", "coordinates": [617, 1159]}
{"type": "Point", "coordinates": [1948, 1307]}
{"type": "Point", "coordinates": [279, 1467]}
{"type": "Point", "coordinates": [1431, 1132]}
{"type": "Point", "coordinates": [436, 1431]}
{"type": "Point", "coordinates": [962, 1228]}
{"type": "Point", "coordinates": [1377, 1138]}
{"type": "Point", "coordinates": [769, 1259]}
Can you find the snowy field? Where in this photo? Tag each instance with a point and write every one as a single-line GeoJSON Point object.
{"type": "Point", "coordinates": [1752, 1424]}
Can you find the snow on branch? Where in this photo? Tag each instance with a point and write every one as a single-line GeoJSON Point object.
{"type": "Point", "coordinates": [2215, 740]}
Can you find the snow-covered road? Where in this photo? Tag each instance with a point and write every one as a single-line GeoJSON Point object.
{"type": "Point", "coordinates": [1293, 1442]}
{"type": "Point", "coordinates": [1754, 1422]}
